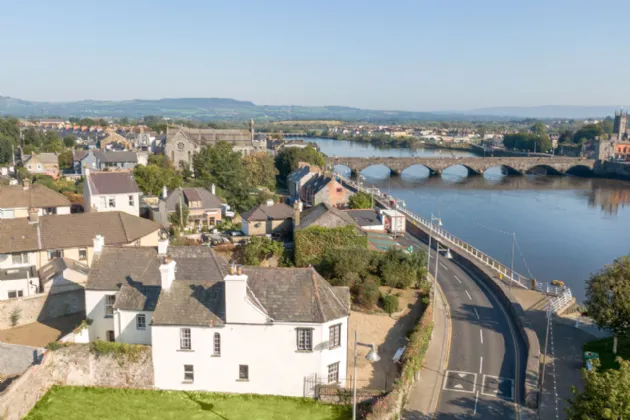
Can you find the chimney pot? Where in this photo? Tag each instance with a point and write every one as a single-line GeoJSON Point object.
{"type": "Point", "coordinates": [164, 192]}
{"type": "Point", "coordinates": [213, 189]}
{"type": "Point", "coordinates": [26, 183]}
{"type": "Point", "coordinates": [99, 243]}
{"type": "Point", "coordinates": [239, 270]}
{"type": "Point", "coordinates": [232, 269]}
{"type": "Point", "coordinates": [163, 246]}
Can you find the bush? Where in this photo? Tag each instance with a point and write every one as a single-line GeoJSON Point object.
{"type": "Point", "coordinates": [390, 303]}
{"type": "Point", "coordinates": [122, 352]}
{"type": "Point", "coordinates": [56, 345]}
{"type": "Point", "coordinates": [366, 294]}
{"type": "Point", "coordinates": [15, 316]}
{"type": "Point", "coordinates": [311, 244]}
{"type": "Point", "coordinates": [261, 248]}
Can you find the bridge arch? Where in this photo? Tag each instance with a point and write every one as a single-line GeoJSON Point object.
{"type": "Point", "coordinates": [417, 170]}
{"type": "Point", "coordinates": [470, 170]}
{"type": "Point", "coordinates": [548, 170]}
{"type": "Point", "coordinates": [583, 170]}
{"type": "Point", "coordinates": [505, 170]}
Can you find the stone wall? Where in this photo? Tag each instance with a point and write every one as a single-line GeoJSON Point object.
{"type": "Point", "coordinates": [608, 169]}
{"type": "Point", "coordinates": [41, 307]}
{"type": "Point", "coordinates": [333, 394]}
{"type": "Point", "coordinates": [73, 365]}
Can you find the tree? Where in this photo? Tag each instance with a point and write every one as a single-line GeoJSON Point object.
{"type": "Point", "coordinates": [588, 132]}
{"type": "Point", "coordinates": [69, 140]}
{"type": "Point", "coordinates": [33, 138]}
{"type": "Point", "coordinates": [6, 149]}
{"type": "Point", "coordinates": [401, 270]}
{"type": "Point", "coordinates": [606, 394]}
{"type": "Point", "coordinates": [261, 248]}
{"type": "Point", "coordinates": [65, 159]}
{"type": "Point", "coordinates": [608, 298]}
{"type": "Point", "coordinates": [539, 128]}
{"type": "Point", "coordinates": [261, 170]}
{"type": "Point", "coordinates": [360, 200]}
{"type": "Point", "coordinates": [222, 166]}
{"type": "Point", "coordinates": [288, 159]}
{"type": "Point", "coordinates": [607, 125]}
{"type": "Point", "coordinates": [180, 216]}
{"type": "Point", "coordinates": [52, 143]}
{"type": "Point", "coordinates": [152, 178]}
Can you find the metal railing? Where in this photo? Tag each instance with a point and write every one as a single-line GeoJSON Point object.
{"type": "Point", "coordinates": [550, 289]}
{"type": "Point", "coordinates": [559, 302]}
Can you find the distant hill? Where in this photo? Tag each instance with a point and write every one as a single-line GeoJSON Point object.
{"type": "Point", "coordinates": [550, 111]}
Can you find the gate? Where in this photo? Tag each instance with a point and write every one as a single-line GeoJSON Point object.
{"type": "Point", "coordinates": [311, 384]}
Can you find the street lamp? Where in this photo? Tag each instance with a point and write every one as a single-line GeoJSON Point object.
{"type": "Point", "coordinates": [439, 223]}
{"type": "Point", "coordinates": [435, 277]}
{"type": "Point", "coordinates": [372, 357]}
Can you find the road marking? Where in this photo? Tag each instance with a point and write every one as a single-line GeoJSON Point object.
{"type": "Point", "coordinates": [481, 336]}
{"type": "Point", "coordinates": [476, 399]}
{"type": "Point", "coordinates": [480, 364]}
{"type": "Point", "coordinates": [476, 313]}
{"type": "Point", "coordinates": [460, 381]}
{"type": "Point", "coordinates": [468, 295]}
{"type": "Point", "coordinates": [497, 387]}
{"type": "Point", "coordinates": [460, 282]}
{"type": "Point", "coordinates": [443, 266]}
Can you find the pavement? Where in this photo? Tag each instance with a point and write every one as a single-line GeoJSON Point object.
{"type": "Point", "coordinates": [485, 369]}
{"type": "Point", "coordinates": [15, 359]}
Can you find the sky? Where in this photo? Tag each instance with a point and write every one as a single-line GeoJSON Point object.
{"type": "Point", "coordinates": [406, 55]}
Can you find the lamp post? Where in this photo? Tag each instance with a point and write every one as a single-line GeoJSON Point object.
{"type": "Point", "coordinates": [439, 223]}
{"type": "Point", "coordinates": [372, 357]}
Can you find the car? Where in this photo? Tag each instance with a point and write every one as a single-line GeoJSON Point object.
{"type": "Point", "coordinates": [236, 233]}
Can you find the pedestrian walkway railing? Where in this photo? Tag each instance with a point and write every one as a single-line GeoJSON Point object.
{"type": "Point", "coordinates": [560, 301]}
{"type": "Point", "coordinates": [550, 289]}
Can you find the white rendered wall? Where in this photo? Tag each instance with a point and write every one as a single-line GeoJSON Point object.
{"type": "Point", "coordinates": [95, 310]}
{"type": "Point", "coordinates": [126, 330]}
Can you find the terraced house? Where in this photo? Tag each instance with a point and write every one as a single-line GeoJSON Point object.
{"type": "Point", "coordinates": [216, 327]}
{"type": "Point", "coordinates": [16, 200]}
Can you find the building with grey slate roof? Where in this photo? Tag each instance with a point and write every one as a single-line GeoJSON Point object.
{"type": "Point", "coordinates": [111, 191]}
{"type": "Point", "coordinates": [204, 207]}
{"type": "Point", "coordinates": [268, 219]}
{"type": "Point", "coordinates": [258, 330]}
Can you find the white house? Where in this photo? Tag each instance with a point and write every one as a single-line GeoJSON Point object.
{"type": "Point", "coordinates": [256, 330]}
{"type": "Point", "coordinates": [111, 191]}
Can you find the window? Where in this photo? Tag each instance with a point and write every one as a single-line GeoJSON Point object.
{"type": "Point", "coordinates": [55, 253]}
{"type": "Point", "coordinates": [333, 373]}
{"type": "Point", "coordinates": [109, 305]}
{"type": "Point", "coordinates": [184, 339]}
{"type": "Point", "coordinates": [334, 337]}
{"type": "Point", "coordinates": [103, 202]}
{"type": "Point", "coordinates": [110, 336]}
{"type": "Point", "coordinates": [212, 221]}
{"type": "Point", "coordinates": [304, 339]}
{"type": "Point", "coordinates": [112, 202]}
{"type": "Point", "coordinates": [7, 214]}
{"type": "Point", "coordinates": [189, 373]}
{"type": "Point", "coordinates": [131, 200]}
{"type": "Point", "coordinates": [83, 253]}
{"type": "Point", "coordinates": [243, 372]}
{"type": "Point", "coordinates": [217, 345]}
{"type": "Point", "coordinates": [141, 322]}
{"type": "Point", "coordinates": [19, 258]}
{"type": "Point", "coordinates": [15, 293]}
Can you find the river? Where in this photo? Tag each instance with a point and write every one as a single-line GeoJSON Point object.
{"type": "Point", "coordinates": [566, 227]}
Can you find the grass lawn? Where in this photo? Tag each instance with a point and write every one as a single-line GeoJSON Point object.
{"type": "Point", "coordinates": [68, 403]}
{"type": "Point", "coordinates": [604, 348]}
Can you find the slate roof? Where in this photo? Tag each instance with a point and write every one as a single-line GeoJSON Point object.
{"type": "Point", "coordinates": [210, 136]}
{"type": "Point", "coordinates": [137, 297]}
{"type": "Point", "coordinates": [296, 294]}
{"type": "Point", "coordinates": [325, 215]}
{"type": "Point", "coordinates": [316, 183]}
{"type": "Point", "coordinates": [209, 200]}
{"type": "Point", "coordinates": [195, 303]}
{"type": "Point", "coordinates": [278, 211]}
{"type": "Point", "coordinates": [72, 230]}
{"type": "Point", "coordinates": [365, 217]}
{"type": "Point", "coordinates": [112, 183]}
{"type": "Point", "coordinates": [298, 174]}
{"type": "Point", "coordinates": [36, 195]}
{"type": "Point", "coordinates": [114, 157]}
{"type": "Point", "coordinates": [45, 158]}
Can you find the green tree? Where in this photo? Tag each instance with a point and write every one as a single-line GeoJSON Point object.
{"type": "Point", "coordinates": [588, 132]}
{"type": "Point", "coordinates": [608, 298]}
{"type": "Point", "coordinates": [9, 128]}
{"type": "Point", "coordinates": [65, 159]}
{"type": "Point", "coordinates": [33, 138]}
{"type": "Point", "coordinates": [401, 270]}
{"type": "Point", "coordinates": [360, 200]}
{"type": "Point", "coordinates": [606, 394]}
{"type": "Point", "coordinates": [288, 159]}
{"type": "Point", "coordinates": [260, 248]}
{"type": "Point", "coordinates": [180, 216]}
{"type": "Point", "coordinates": [607, 125]}
{"type": "Point", "coordinates": [6, 149]}
{"type": "Point", "coordinates": [261, 170]}
{"type": "Point", "coordinates": [52, 143]}
{"type": "Point", "coordinates": [539, 128]}
{"type": "Point", "coordinates": [152, 178]}
{"type": "Point", "coordinates": [69, 140]}
{"type": "Point", "coordinates": [222, 166]}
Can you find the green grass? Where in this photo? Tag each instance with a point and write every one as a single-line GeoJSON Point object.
{"type": "Point", "coordinates": [604, 348]}
{"type": "Point", "coordinates": [68, 403]}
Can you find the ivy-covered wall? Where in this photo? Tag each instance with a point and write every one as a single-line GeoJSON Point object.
{"type": "Point", "coordinates": [312, 242]}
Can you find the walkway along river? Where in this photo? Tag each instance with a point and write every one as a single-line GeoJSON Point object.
{"type": "Point", "coordinates": [566, 227]}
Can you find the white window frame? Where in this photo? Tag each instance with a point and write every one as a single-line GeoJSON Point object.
{"type": "Point", "coordinates": [304, 339]}
{"type": "Point", "coordinates": [216, 345]}
{"type": "Point", "coordinates": [109, 305]}
{"type": "Point", "coordinates": [23, 256]}
{"type": "Point", "coordinates": [55, 251]}
{"type": "Point", "coordinates": [334, 336]}
{"type": "Point", "coordinates": [141, 322]}
{"type": "Point", "coordinates": [185, 339]}
{"type": "Point", "coordinates": [17, 293]}
{"type": "Point", "coordinates": [333, 373]}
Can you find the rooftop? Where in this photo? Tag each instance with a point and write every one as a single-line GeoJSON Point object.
{"type": "Point", "coordinates": [325, 215]}
{"type": "Point", "coordinates": [112, 183]}
{"type": "Point", "coordinates": [36, 195]}
{"type": "Point", "coordinates": [276, 211]}
{"type": "Point", "coordinates": [365, 217]}
{"type": "Point", "coordinates": [208, 200]}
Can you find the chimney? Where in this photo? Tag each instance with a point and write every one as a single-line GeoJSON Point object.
{"type": "Point", "coordinates": [86, 171]}
{"type": "Point", "coordinates": [167, 273]}
{"type": "Point", "coordinates": [33, 215]}
{"type": "Point", "coordinates": [270, 202]}
{"type": "Point", "coordinates": [164, 192]}
{"type": "Point", "coordinates": [163, 246]}
{"type": "Point", "coordinates": [296, 213]}
{"type": "Point", "coordinates": [99, 243]}
{"type": "Point", "coordinates": [213, 189]}
{"type": "Point", "coordinates": [236, 307]}
{"type": "Point", "coordinates": [26, 183]}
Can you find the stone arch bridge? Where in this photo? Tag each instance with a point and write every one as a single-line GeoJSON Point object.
{"type": "Point", "coordinates": [475, 165]}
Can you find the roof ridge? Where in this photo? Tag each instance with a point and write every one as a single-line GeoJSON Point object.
{"type": "Point", "coordinates": [122, 223]}
{"type": "Point", "coordinates": [318, 298]}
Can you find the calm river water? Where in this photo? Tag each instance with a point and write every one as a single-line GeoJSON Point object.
{"type": "Point", "coordinates": [566, 227]}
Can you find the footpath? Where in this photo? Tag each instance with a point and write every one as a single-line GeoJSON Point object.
{"type": "Point", "coordinates": [425, 392]}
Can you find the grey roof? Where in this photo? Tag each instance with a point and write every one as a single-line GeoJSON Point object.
{"type": "Point", "coordinates": [209, 200]}
{"type": "Point", "coordinates": [364, 217]}
{"type": "Point", "coordinates": [316, 183]}
{"type": "Point", "coordinates": [199, 303]}
{"type": "Point", "coordinates": [209, 136]}
{"type": "Point", "coordinates": [277, 211]}
{"type": "Point", "coordinates": [78, 155]}
{"type": "Point", "coordinates": [116, 157]}
{"type": "Point", "coordinates": [298, 174]}
{"type": "Point", "coordinates": [112, 183]}
{"type": "Point", "coordinates": [36, 195]}
{"type": "Point", "coordinates": [116, 266]}
{"type": "Point", "coordinates": [296, 294]}
{"type": "Point", "coordinates": [325, 215]}
{"type": "Point", "coordinates": [137, 297]}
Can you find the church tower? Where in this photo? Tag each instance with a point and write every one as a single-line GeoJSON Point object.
{"type": "Point", "coordinates": [251, 128]}
{"type": "Point", "coordinates": [619, 126]}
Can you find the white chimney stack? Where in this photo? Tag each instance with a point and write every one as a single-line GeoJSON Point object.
{"type": "Point", "coordinates": [237, 309]}
{"type": "Point", "coordinates": [99, 243]}
{"type": "Point", "coordinates": [270, 202]}
{"type": "Point", "coordinates": [164, 192]}
{"type": "Point", "coordinates": [163, 246]}
{"type": "Point", "coordinates": [167, 273]}
{"type": "Point", "coordinates": [213, 189]}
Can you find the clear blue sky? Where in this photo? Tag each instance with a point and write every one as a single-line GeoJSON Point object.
{"type": "Point", "coordinates": [412, 55]}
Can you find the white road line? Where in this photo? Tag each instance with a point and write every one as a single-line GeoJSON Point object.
{"type": "Point", "coordinates": [476, 399]}
{"type": "Point", "coordinates": [481, 336]}
{"type": "Point", "coordinates": [460, 282]}
{"type": "Point", "coordinates": [443, 266]}
{"type": "Point", "coordinates": [468, 295]}
{"type": "Point", "coordinates": [480, 364]}
{"type": "Point", "coordinates": [476, 313]}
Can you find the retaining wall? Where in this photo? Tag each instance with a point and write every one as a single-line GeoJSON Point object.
{"type": "Point", "coordinates": [41, 307]}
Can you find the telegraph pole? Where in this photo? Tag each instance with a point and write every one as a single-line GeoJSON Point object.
{"type": "Point", "coordinates": [512, 268]}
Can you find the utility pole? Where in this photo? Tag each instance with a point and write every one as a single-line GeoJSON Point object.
{"type": "Point", "coordinates": [181, 211]}
{"type": "Point", "coordinates": [512, 268]}
{"type": "Point", "coordinates": [542, 378]}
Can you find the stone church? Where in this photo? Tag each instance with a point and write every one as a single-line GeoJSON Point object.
{"type": "Point", "coordinates": [182, 142]}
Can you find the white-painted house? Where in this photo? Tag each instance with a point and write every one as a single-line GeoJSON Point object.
{"type": "Point", "coordinates": [219, 328]}
{"type": "Point", "coordinates": [111, 191]}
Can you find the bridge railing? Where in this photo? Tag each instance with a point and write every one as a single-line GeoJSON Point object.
{"type": "Point", "coordinates": [560, 301]}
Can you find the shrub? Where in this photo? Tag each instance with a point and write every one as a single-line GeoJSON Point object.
{"type": "Point", "coordinates": [261, 248]}
{"type": "Point", "coordinates": [56, 345]}
{"type": "Point", "coordinates": [15, 316]}
{"type": "Point", "coordinates": [366, 294]}
{"type": "Point", "coordinates": [390, 303]}
{"type": "Point", "coordinates": [122, 352]}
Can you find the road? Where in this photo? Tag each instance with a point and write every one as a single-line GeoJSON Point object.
{"type": "Point", "coordinates": [484, 378]}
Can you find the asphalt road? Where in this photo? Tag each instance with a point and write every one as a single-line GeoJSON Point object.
{"type": "Point", "coordinates": [485, 373]}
